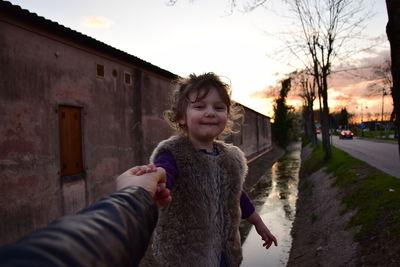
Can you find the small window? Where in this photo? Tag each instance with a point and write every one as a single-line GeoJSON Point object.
{"type": "Point", "coordinates": [71, 159]}
{"type": "Point", "coordinates": [128, 78]}
{"type": "Point", "coordinates": [114, 73]}
{"type": "Point", "coordinates": [100, 70]}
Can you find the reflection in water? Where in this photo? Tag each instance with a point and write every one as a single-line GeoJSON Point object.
{"type": "Point", "coordinates": [275, 199]}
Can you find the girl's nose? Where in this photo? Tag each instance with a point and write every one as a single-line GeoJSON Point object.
{"type": "Point", "coordinates": [210, 112]}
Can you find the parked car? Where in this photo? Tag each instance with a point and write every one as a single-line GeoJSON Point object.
{"type": "Point", "coordinates": [346, 134]}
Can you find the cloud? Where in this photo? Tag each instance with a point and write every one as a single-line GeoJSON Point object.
{"type": "Point", "coordinates": [267, 92]}
{"type": "Point", "coordinates": [97, 22]}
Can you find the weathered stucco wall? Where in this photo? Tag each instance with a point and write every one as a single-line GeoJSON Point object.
{"type": "Point", "coordinates": [256, 133]}
{"type": "Point", "coordinates": [38, 74]}
{"type": "Point", "coordinates": [156, 99]}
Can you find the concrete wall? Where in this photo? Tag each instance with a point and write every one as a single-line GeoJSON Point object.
{"type": "Point", "coordinates": [256, 133]}
{"type": "Point", "coordinates": [43, 68]}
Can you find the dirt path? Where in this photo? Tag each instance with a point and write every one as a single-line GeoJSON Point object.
{"type": "Point", "coordinates": [319, 235]}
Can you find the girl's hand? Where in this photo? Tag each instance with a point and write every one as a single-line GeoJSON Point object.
{"type": "Point", "coordinates": [266, 235]}
{"type": "Point", "coordinates": [262, 230]}
{"type": "Point", "coordinates": [149, 169]}
{"type": "Point", "coordinates": [146, 169]}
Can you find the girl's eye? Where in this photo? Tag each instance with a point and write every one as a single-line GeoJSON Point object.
{"type": "Point", "coordinates": [220, 108]}
{"type": "Point", "coordinates": [198, 106]}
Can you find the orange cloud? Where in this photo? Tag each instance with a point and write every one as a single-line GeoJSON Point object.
{"type": "Point", "coordinates": [97, 22]}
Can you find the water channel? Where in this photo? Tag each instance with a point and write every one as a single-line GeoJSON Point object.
{"type": "Point", "coordinates": [275, 199]}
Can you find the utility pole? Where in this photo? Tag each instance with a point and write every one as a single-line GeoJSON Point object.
{"type": "Point", "coordinates": [362, 116]}
{"type": "Point", "coordinates": [383, 99]}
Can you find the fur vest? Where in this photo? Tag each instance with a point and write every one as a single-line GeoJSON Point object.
{"type": "Point", "coordinates": [202, 221]}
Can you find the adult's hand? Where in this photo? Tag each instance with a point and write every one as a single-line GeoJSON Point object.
{"type": "Point", "coordinates": [149, 177]}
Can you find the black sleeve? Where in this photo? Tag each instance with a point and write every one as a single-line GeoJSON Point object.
{"type": "Point", "coordinates": [112, 232]}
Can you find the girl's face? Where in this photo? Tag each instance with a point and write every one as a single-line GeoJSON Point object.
{"type": "Point", "coordinates": [205, 119]}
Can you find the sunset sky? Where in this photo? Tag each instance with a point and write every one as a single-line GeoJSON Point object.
{"type": "Point", "coordinates": [196, 36]}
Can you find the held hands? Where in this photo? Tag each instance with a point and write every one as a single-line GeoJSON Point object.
{"type": "Point", "coordinates": [149, 177]}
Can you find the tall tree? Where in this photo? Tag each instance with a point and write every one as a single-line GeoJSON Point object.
{"type": "Point", "coordinates": [342, 118]}
{"type": "Point", "coordinates": [326, 25]}
{"type": "Point", "coordinates": [282, 119]}
{"type": "Point", "coordinates": [393, 33]}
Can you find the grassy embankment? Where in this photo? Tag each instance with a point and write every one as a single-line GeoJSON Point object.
{"type": "Point", "coordinates": [377, 135]}
{"type": "Point", "coordinates": [374, 195]}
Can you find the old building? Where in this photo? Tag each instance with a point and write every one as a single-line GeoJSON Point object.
{"type": "Point", "coordinates": [74, 113]}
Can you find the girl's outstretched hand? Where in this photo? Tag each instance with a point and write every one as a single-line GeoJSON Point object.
{"type": "Point", "coordinates": [262, 230]}
{"type": "Point", "coordinates": [266, 235]}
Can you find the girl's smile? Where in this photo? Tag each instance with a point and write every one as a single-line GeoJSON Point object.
{"type": "Point", "coordinates": [205, 119]}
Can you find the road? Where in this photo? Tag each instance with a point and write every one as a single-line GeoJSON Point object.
{"type": "Point", "coordinates": [381, 155]}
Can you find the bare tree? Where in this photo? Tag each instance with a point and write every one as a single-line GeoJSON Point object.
{"type": "Point", "coordinates": [382, 83]}
{"type": "Point", "coordinates": [393, 33]}
{"type": "Point", "coordinates": [305, 85]}
{"type": "Point", "coordinates": [325, 28]}
{"type": "Point", "coordinates": [382, 76]}
{"type": "Point", "coordinates": [233, 4]}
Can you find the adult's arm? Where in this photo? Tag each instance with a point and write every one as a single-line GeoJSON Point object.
{"type": "Point", "coordinates": [112, 232]}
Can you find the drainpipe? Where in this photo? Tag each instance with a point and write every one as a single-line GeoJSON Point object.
{"type": "Point", "coordinates": [137, 130]}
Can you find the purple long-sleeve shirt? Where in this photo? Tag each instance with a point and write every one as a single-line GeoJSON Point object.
{"type": "Point", "coordinates": [167, 161]}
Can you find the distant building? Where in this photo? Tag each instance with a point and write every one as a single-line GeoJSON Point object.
{"type": "Point", "coordinates": [74, 113]}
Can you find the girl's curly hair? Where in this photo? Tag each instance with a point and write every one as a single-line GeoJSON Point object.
{"type": "Point", "coordinates": [201, 85]}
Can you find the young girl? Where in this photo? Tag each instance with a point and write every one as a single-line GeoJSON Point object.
{"type": "Point", "coordinates": [200, 227]}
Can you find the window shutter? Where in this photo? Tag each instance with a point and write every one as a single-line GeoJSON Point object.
{"type": "Point", "coordinates": [70, 140]}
